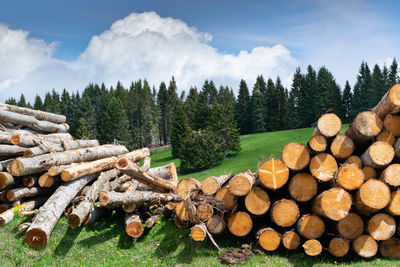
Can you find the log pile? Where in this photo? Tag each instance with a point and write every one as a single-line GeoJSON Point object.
{"type": "Point", "coordinates": [338, 193]}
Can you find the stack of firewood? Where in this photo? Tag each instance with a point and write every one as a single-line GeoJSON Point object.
{"type": "Point", "coordinates": [337, 192]}
{"type": "Point", "coordinates": [44, 171]}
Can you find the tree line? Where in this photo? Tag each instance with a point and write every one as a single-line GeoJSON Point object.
{"type": "Point", "coordinates": [204, 125]}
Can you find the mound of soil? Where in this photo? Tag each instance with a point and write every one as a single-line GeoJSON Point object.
{"type": "Point", "coordinates": [235, 256]}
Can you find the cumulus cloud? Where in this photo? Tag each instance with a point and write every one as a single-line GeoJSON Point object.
{"type": "Point", "coordinates": [139, 46]}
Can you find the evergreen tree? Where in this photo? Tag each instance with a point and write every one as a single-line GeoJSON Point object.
{"type": "Point", "coordinates": [122, 94]}
{"type": "Point", "coordinates": [11, 101]}
{"type": "Point", "coordinates": [294, 120]}
{"type": "Point", "coordinates": [190, 105]}
{"type": "Point", "coordinates": [281, 119]}
{"type": "Point", "coordinates": [172, 99]}
{"type": "Point", "coordinates": [257, 112]}
{"type": "Point", "coordinates": [206, 99]}
{"type": "Point", "coordinates": [362, 88]}
{"type": "Point", "coordinates": [38, 105]}
{"type": "Point", "coordinates": [271, 113]}
{"type": "Point", "coordinates": [346, 102]}
{"type": "Point", "coordinates": [162, 102]}
{"type": "Point", "coordinates": [261, 87]}
{"type": "Point", "coordinates": [180, 130]}
{"type": "Point", "coordinates": [88, 113]}
{"type": "Point", "coordinates": [378, 85]}
{"type": "Point", "coordinates": [82, 131]}
{"type": "Point", "coordinates": [307, 96]}
{"type": "Point", "coordinates": [243, 109]}
{"type": "Point", "coordinates": [65, 104]}
{"type": "Point", "coordinates": [393, 74]}
{"type": "Point", "coordinates": [22, 101]}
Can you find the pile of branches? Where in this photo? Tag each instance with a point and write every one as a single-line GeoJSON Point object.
{"type": "Point", "coordinates": [339, 192]}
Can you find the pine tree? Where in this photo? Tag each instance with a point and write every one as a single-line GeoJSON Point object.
{"type": "Point", "coordinates": [243, 109]}
{"type": "Point", "coordinates": [65, 104]}
{"type": "Point", "coordinates": [172, 99]}
{"type": "Point", "coordinates": [88, 113]}
{"type": "Point", "coordinates": [393, 74]}
{"type": "Point", "coordinates": [162, 102]}
{"type": "Point", "coordinates": [190, 105]}
{"type": "Point", "coordinates": [281, 120]}
{"type": "Point", "coordinates": [11, 101]}
{"type": "Point", "coordinates": [307, 107]}
{"type": "Point", "coordinates": [38, 105]}
{"type": "Point", "coordinates": [82, 131]}
{"type": "Point", "coordinates": [362, 88]}
{"type": "Point", "coordinates": [378, 85]}
{"type": "Point", "coordinates": [122, 94]}
{"type": "Point", "coordinates": [257, 112]}
{"type": "Point", "coordinates": [22, 101]}
{"type": "Point", "coordinates": [180, 130]}
{"type": "Point", "coordinates": [270, 108]}
{"type": "Point", "coordinates": [206, 99]}
{"type": "Point", "coordinates": [294, 120]}
{"type": "Point", "coordinates": [346, 102]}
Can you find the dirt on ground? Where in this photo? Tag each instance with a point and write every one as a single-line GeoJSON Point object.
{"type": "Point", "coordinates": [235, 256]}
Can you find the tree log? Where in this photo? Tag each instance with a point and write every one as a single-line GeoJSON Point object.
{"type": "Point", "coordinates": [391, 175]}
{"type": "Point", "coordinates": [303, 187]}
{"type": "Point", "coordinates": [11, 150]}
{"type": "Point", "coordinates": [240, 224]}
{"type": "Point", "coordinates": [133, 225]}
{"type": "Point", "coordinates": [285, 212]}
{"type": "Point", "coordinates": [317, 144]}
{"type": "Point", "coordinates": [342, 147]}
{"type": "Point", "coordinates": [27, 213]}
{"type": "Point", "coordinates": [67, 144]}
{"type": "Point", "coordinates": [311, 226]}
{"type": "Point", "coordinates": [27, 166]}
{"type": "Point", "coordinates": [32, 123]}
{"type": "Point", "coordinates": [396, 147]}
{"type": "Point", "coordinates": [152, 220]}
{"type": "Point", "coordinates": [40, 230]}
{"type": "Point", "coordinates": [394, 204]}
{"type": "Point", "coordinates": [185, 185]}
{"type": "Point", "coordinates": [378, 155]}
{"type": "Point", "coordinates": [113, 185]}
{"type": "Point", "coordinates": [4, 163]}
{"type": "Point", "coordinates": [338, 247]}
{"type": "Point", "coordinates": [5, 206]}
{"type": "Point", "coordinates": [365, 127]}
{"type": "Point", "coordinates": [349, 176]}
{"type": "Point", "coordinates": [84, 208]}
{"type": "Point", "coordinates": [229, 199]}
{"type": "Point", "coordinates": [355, 160]}
{"type": "Point", "coordinates": [30, 181]}
{"type": "Point", "coordinates": [95, 214]}
{"type": "Point", "coordinates": [291, 240]}
{"type": "Point", "coordinates": [23, 226]}
{"type": "Point", "coordinates": [323, 167]}
{"type": "Point", "coordinates": [295, 156]}
{"type": "Point", "coordinates": [5, 139]}
{"type": "Point", "coordinates": [257, 201]}
{"type": "Point", "coordinates": [179, 223]}
{"type": "Point", "coordinates": [131, 169]}
{"type": "Point", "coordinates": [390, 102]}
{"type": "Point", "coordinates": [167, 172]}
{"type": "Point", "coordinates": [115, 199]}
{"type": "Point", "coordinates": [38, 114]}
{"type": "Point", "coordinates": [328, 125]}
{"type": "Point", "coordinates": [386, 136]}
{"type": "Point", "coordinates": [369, 172]}
{"type": "Point", "coordinates": [19, 193]}
{"type": "Point", "coordinates": [268, 239]}
{"type": "Point", "coordinates": [56, 170]}
{"type": "Point", "coordinates": [372, 196]}
{"type": "Point", "coordinates": [6, 180]}
{"type": "Point", "coordinates": [204, 212]}
{"type": "Point", "coordinates": [241, 183]}
{"type": "Point", "coordinates": [365, 246]}
{"type": "Point", "coordinates": [212, 184]}
{"type": "Point", "coordinates": [390, 248]}
{"type": "Point", "coordinates": [216, 225]}
{"type": "Point", "coordinates": [381, 226]}
{"type": "Point", "coordinates": [273, 174]}
{"type": "Point", "coordinates": [312, 247]}
{"type": "Point", "coordinates": [8, 215]}
{"type": "Point", "coordinates": [32, 140]}
{"type": "Point", "coordinates": [351, 226]}
{"type": "Point", "coordinates": [46, 180]}
{"type": "Point", "coordinates": [198, 232]}
{"type": "Point", "coordinates": [392, 124]}
{"type": "Point", "coordinates": [334, 204]}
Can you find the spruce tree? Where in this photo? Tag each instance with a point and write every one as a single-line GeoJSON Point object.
{"type": "Point", "coordinates": [393, 74]}
{"type": "Point", "coordinates": [180, 130]}
{"type": "Point", "coordinates": [172, 99]}
{"type": "Point", "coordinates": [82, 131]}
{"type": "Point", "coordinates": [362, 89]}
{"type": "Point", "coordinates": [346, 102]}
{"type": "Point", "coordinates": [243, 109]}
{"type": "Point", "coordinates": [294, 120]}
{"type": "Point", "coordinates": [307, 98]}
{"type": "Point", "coordinates": [11, 101]}
{"type": "Point", "coordinates": [281, 120]}
{"type": "Point", "coordinates": [257, 112]}
{"type": "Point", "coordinates": [190, 105]}
{"type": "Point", "coordinates": [378, 85]}
{"type": "Point", "coordinates": [38, 105]}
{"type": "Point", "coordinates": [162, 102]}
{"type": "Point", "coordinates": [270, 114]}
{"type": "Point", "coordinates": [206, 99]}
{"type": "Point", "coordinates": [22, 101]}
{"type": "Point", "coordinates": [88, 113]}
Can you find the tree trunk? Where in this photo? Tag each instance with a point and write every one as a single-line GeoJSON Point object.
{"type": "Point", "coordinates": [146, 163]}
{"type": "Point", "coordinates": [391, 175]}
{"type": "Point", "coordinates": [6, 180]}
{"type": "Point", "coordinates": [273, 174]}
{"type": "Point", "coordinates": [95, 214]}
{"type": "Point", "coordinates": [167, 172]}
{"type": "Point", "coordinates": [396, 147]}
{"type": "Point", "coordinates": [390, 102]}
{"type": "Point", "coordinates": [212, 184]}
{"type": "Point", "coordinates": [67, 144]}
{"type": "Point", "coordinates": [342, 147]}
{"type": "Point", "coordinates": [394, 205]}
{"type": "Point", "coordinates": [372, 196]}
{"type": "Point", "coordinates": [329, 125]}
{"type": "Point", "coordinates": [229, 199]}
{"type": "Point", "coordinates": [32, 123]}
{"type": "Point", "coordinates": [216, 225]}
{"type": "Point", "coordinates": [285, 212]}
{"type": "Point", "coordinates": [312, 247]}
{"type": "Point", "coordinates": [26, 166]}
{"type": "Point", "coordinates": [84, 208]}
{"type": "Point", "coordinates": [369, 172]}
{"type": "Point", "coordinates": [349, 177]}
{"type": "Point", "coordinates": [8, 215]}
{"type": "Point", "coordinates": [317, 144]}
{"type": "Point", "coordinates": [365, 246]}
{"type": "Point", "coordinates": [333, 204]}
{"type": "Point", "coordinates": [56, 170]}
{"type": "Point", "coordinates": [268, 239]}
{"type": "Point", "coordinates": [365, 127]}
{"type": "Point", "coordinates": [311, 226]}
{"type": "Point", "coordinates": [386, 136]}
{"type": "Point", "coordinates": [323, 167]}
{"type": "Point", "coordinates": [198, 232]}
{"type": "Point", "coordinates": [185, 185]}
{"type": "Point", "coordinates": [295, 156]}
{"type": "Point", "coordinates": [30, 181]}
{"type": "Point", "coordinates": [152, 220]}
{"type": "Point", "coordinates": [40, 230]}
{"type": "Point", "coordinates": [11, 150]}
{"type": "Point", "coordinates": [240, 224]}
{"type": "Point", "coordinates": [4, 164]}
{"type": "Point", "coordinates": [291, 240]}
{"type": "Point", "coordinates": [46, 180]}
{"type": "Point", "coordinates": [88, 168]}
{"type": "Point", "coordinates": [131, 169]}
{"type": "Point", "coordinates": [257, 202]}
{"type": "Point", "coordinates": [241, 183]}
{"type": "Point", "coordinates": [381, 226]}
{"type": "Point", "coordinates": [32, 140]}
{"type": "Point", "coordinates": [354, 159]}
{"type": "Point", "coordinates": [133, 225]}
{"type": "Point", "coordinates": [23, 226]}
{"type": "Point", "coordinates": [204, 212]}
{"type": "Point", "coordinates": [5, 139]}
{"type": "Point", "coordinates": [303, 187]}
{"type": "Point", "coordinates": [23, 192]}
{"type": "Point", "coordinates": [351, 226]}
{"type": "Point", "coordinates": [38, 114]}
{"type": "Point", "coordinates": [378, 155]}
{"type": "Point", "coordinates": [390, 248]}
{"type": "Point", "coordinates": [338, 247]}
{"type": "Point", "coordinates": [5, 206]}
{"type": "Point", "coordinates": [115, 199]}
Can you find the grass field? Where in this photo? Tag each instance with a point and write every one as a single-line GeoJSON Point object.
{"type": "Point", "coordinates": [105, 243]}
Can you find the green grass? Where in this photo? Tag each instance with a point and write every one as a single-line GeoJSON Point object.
{"type": "Point", "coordinates": [105, 243]}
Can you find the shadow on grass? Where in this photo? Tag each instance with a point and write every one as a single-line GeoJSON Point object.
{"type": "Point", "coordinates": [67, 241]}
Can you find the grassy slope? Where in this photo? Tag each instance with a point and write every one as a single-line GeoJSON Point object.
{"type": "Point", "coordinates": [105, 242]}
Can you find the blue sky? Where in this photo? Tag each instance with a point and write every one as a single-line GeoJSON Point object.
{"type": "Point", "coordinates": [61, 37]}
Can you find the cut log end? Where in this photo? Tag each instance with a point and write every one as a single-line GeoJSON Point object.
{"type": "Point", "coordinates": [365, 126]}
{"type": "Point", "coordinates": [198, 232]}
{"type": "Point", "coordinates": [378, 155]}
{"type": "Point", "coordinates": [390, 248]}
{"type": "Point", "coordinates": [6, 179]}
{"type": "Point", "coordinates": [273, 174]}
{"type": "Point", "coordinates": [295, 156]}
{"type": "Point", "coordinates": [350, 177]}
{"type": "Point", "coordinates": [229, 199]}
{"type": "Point", "coordinates": [354, 159]}
{"type": "Point", "coordinates": [291, 240]}
{"type": "Point", "coordinates": [186, 185]}
{"type": "Point", "coordinates": [209, 186]}
{"type": "Point", "coordinates": [381, 226]}
{"type": "Point", "coordinates": [372, 196]}
{"type": "Point", "coordinates": [216, 225]}
{"type": "Point", "coordinates": [334, 203]}
{"type": "Point", "coordinates": [311, 226]}
{"type": "Point", "coordinates": [241, 183]}
{"type": "Point", "coordinates": [285, 213]}
{"type": "Point", "coordinates": [391, 175]}
{"type": "Point", "coordinates": [342, 147]}
{"type": "Point", "coordinates": [369, 172]}
{"type": "Point", "coordinates": [351, 226]}
{"type": "Point", "coordinates": [365, 246]}
{"type": "Point", "coordinates": [104, 198]}
{"type": "Point", "coordinates": [394, 205]}
{"type": "Point", "coordinates": [204, 212]}
{"type": "Point", "coordinates": [240, 224]}
{"type": "Point", "coordinates": [338, 247]}
{"type": "Point", "coordinates": [133, 225]}
{"type": "Point", "coordinates": [257, 201]}
{"type": "Point", "coordinates": [303, 187]}
{"type": "Point", "coordinates": [318, 143]}
{"type": "Point", "coordinates": [15, 139]}
{"type": "Point", "coordinates": [122, 163]}
{"type": "Point", "coordinates": [128, 208]}
{"type": "Point", "coordinates": [323, 167]}
{"type": "Point", "coordinates": [386, 136]}
{"type": "Point", "coordinates": [74, 221]}
{"type": "Point", "coordinates": [312, 247]}
{"type": "Point", "coordinates": [329, 125]}
{"type": "Point", "coordinates": [269, 239]}
{"type": "Point", "coordinates": [36, 238]}
{"type": "Point", "coordinates": [392, 124]}
{"type": "Point", "coordinates": [16, 168]}
{"type": "Point", "coordinates": [65, 176]}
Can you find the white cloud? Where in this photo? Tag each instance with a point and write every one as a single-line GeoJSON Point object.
{"type": "Point", "coordinates": [138, 46]}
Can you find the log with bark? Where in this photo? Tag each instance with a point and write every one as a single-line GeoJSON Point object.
{"type": "Point", "coordinates": [198, 232]}
{"type": "Point", "coordinates": [68, 144]}
{"type": "Point", "coordinates": [365, 246]}
{"type": "Point", "coordinates": [364, 128]}
{"type": "Point", "coordinates": [24, 192]}
{"type": "Point", "coordinates": [378, 155]}
{"type": "Point", "coordinates": [328, 125]}
{"type": "Point", "coordinates": [11, 150]}
{"type": "Point", "coordinates": [338, 247]}
{"type": "Point", "coordinates": [310, 226]}
{"type": "Point", "coordinates": [391, 175]}
{"type": "Point", "coordinates": [216, 225]}
{"type": "Point", "coordinates": [242, 183]}
{"type": "Point", "coordinates": [133, 225]}
{"type": "Point", "coordinates": [349, 177]}
{"type": "Point", "coordinates": [47, 180]}
{"type": "Point", "coordinates": [295, 156]}
{"type": "Point", "coordinates": [8, 215]}
{"type": "Point", "coordinates": [317, 144]}
{"type": "Point", "coordinates": [212, 184]}
{"type": "Point", "coordinates": [303, 187]}
{"type": "Point", "coordinates": [312, 247]}
{"type": "Point", "coordinates": [386, 136]}
{"type": "Point", "coordinates": [390, 102]}
{"type": "Point", "coordinates": [342, 147]}
{"type": "Point", "coordinates": [240, 224]}
{"type": "Point", "coordinates": [229, 199]}
{"type": "Point", "coordinates": [390, 248]}
{"type": "Point", "coordinates": [334, 204]}
{"type": "Point", "coordinates": [323, 167]}
{"type": "Point", "coordinates": [291, 240]}
{"type": "Point", "coordinates": [351, 226]}
{"type": "Point", "coordinates": [32, 140]}
{"type": "Point", "coordinates": [38, 233]}
{"type": "Point", "coordinates": [257, 201]}
{"type": "Point", "coordinates": [268, 239]}
{"type": "Point", "coordinates": [186, 185]}
{"type": "Point", "coordinates": [167, 172]}
{"type": "Point", "coordinates": [372, 196]}
{"type": "Point", "coordinates": [381, 226]}
{"type": "Point", "coordinates": [394, 204]}
{"type": "Point", "coordinates": [38, 114]}
{"type": "Point", "coordinates": [273, 174]}
{"type": "Point", "coordinates": [6, 180]}
{"type": "Point", "coordinates": [30, 181]}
